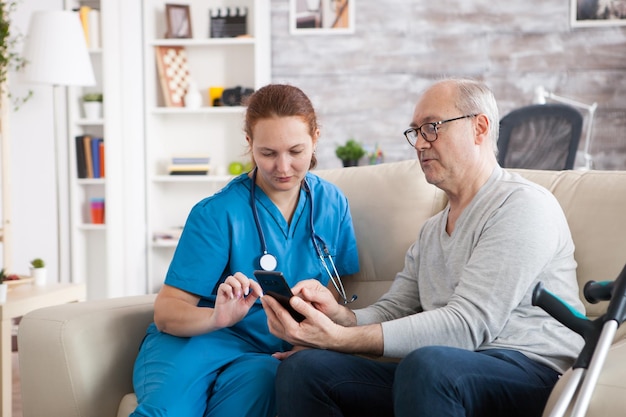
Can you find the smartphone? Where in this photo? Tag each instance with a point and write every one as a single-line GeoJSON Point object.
{"type": "Point", "coordinates": [274, 285]}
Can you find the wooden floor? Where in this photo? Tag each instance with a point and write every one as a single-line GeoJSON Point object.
{"type": "Point", "coordinates": [17, 398]}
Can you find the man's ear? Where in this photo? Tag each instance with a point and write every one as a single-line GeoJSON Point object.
{"type": "Point", "coordinates": [481, 127]}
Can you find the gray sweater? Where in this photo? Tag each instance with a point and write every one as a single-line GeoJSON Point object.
{"type": "Point", "coordinates": [473, 289]}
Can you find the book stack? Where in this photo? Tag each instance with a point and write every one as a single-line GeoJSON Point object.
{"type": "Point", "coordinates": [189, 165]}
{"type": "Point", "coordinates": [90, 20]}
{"type": "Point", "coordinates": [89, 156]}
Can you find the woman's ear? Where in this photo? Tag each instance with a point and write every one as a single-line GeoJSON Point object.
{"type": "Point", "coordinates": [316, 136]}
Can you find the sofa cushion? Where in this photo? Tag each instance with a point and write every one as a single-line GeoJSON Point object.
{"type": "Point", "coordinates": [77, 359]}
{"type": "Point", "coordinates": [389, 203]}
{"type": "Point", "coordinates": [594, 203]}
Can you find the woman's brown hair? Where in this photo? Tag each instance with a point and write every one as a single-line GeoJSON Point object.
{"type": "Point", "coordinates": [280, 100]}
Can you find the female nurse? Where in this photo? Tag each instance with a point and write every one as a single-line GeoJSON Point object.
{"type": "Point", "coordinates": [208, 352]}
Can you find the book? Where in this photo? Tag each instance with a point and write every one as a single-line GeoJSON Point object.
{"type": "Point", "coordinates": [83, 13]}
{"type": "Point", "coordinates": [81, 164]}
{"type": "Point", "coordinates": [188, 169]}
{"type": "Point", "coordinates": [88, 156]}
{"type": "Point", "coordinates": [101, 145]}
{"type": "Point", "coordinates": [190, 159]}
{"type": "Point", "coordinates": [95, 155]}
{"type": "Point", "coordinates": [93, 19]}
{"type": "Point", "coordinates": [189, 172]}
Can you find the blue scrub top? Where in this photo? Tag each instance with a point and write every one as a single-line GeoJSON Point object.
{"type": "Point", "coordinates": [220, 238]}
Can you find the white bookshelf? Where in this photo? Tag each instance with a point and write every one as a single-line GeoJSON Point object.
{"type": "Point", "coordinates": [213, 131]}
{"type": "Point", "coordinates": [99, 252]}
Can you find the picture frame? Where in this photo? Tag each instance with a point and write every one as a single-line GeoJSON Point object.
{"type": "Point", "coordinates": [178, 18]}
{"type": "Point", "coordinates": [321, 17]}
{"type": "Point", "coordinates": [590, 13]}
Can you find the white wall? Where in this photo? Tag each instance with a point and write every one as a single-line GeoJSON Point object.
{"type": "Point", "coordinates": [33, 197]}
{"type": "Point", "coordinates": [34, 201]}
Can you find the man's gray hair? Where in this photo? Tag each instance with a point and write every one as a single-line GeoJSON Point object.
{"type": "Point", "coordinates": [475, 97]}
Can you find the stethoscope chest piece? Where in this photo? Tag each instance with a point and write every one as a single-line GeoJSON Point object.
{"type": "Point", "coordinates": [268, 262]}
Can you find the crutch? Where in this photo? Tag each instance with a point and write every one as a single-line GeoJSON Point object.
{"type": "Point", "coordinates": [598, 335]}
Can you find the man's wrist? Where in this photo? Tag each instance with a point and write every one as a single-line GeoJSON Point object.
{"type": "Point", "coordinates": [367, 340]}
{"type": "Point", "coordinates": [345, 317]}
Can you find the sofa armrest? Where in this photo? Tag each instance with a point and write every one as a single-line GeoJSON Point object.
{"type": "Point", "coordinates": [609, 394]}
{"type": "Point", "coordinates": [76, 360]}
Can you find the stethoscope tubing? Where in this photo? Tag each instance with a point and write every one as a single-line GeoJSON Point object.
{"type": "Point", "coordinates": [268, 261]}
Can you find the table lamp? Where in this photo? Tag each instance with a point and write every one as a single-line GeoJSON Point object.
{"type": "Point", "coordinates": [540, 98]}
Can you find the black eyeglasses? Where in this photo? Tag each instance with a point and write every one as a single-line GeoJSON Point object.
{"type": "Point", "coordinates": [429, 130]}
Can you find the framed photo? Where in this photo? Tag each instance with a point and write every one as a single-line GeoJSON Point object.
{"type": "Point", "coordinates": [321, 17]}
{"type": "Point", "coordinates": [586, 13]}
{"type": "Point", "coordinates": [178, 18]}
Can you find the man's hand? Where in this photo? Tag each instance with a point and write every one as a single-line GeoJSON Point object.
{"type": "Point", "coordinates": [317, 304]}
{"type": "Point", "coordinates": [323, 300]}
{"type": "Point", "coordinates": [317, 330]}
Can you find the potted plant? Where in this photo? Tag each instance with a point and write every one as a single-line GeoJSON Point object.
{"type": "Point", "coordinates": [92, 105]}
{"type": "Point", "coordinates": [9, 59]}
{"type": "Point", "coordinates": [38, 271]}
{"type": "Point", "coordinates": [350, 153]}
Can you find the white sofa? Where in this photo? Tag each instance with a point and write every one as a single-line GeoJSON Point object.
{"type": "Point", "coordinates": [76, 360]}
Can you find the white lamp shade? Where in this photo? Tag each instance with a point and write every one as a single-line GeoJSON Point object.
{"type": "Point", "coordinates": [56, 50]}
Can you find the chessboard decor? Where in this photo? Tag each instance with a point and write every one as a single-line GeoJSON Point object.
{"type": "Point", "coordinates": [173, 74]}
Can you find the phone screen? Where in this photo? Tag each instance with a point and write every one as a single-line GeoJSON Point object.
{"type": "Point", "coordinates": [274, 285]}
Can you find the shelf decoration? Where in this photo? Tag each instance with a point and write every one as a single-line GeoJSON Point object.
{"type": "Point", "coordinates": [96, 208]}
{"type": "Point", "coordinates": [189, 165]}
{"type": "Point", "coordinates": [168, 237]}
{"type": "Point", "coordinates": [228, 22]}
{"type": "Point", "coordinates": [178, 17]}
{"type": "Point", "coordinates": [173, 74]}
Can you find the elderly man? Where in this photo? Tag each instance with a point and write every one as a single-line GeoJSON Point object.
{"type": "Point", "coordinates": [459, 315]}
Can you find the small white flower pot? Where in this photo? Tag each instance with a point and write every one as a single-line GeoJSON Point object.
{"type": "Point", "coordinates": [40, 275]}
{"type": "Point", "coordinates": [92, 109]}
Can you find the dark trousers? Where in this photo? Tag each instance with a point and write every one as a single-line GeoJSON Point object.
{"type": "Point", "coordinates": [433, 381]}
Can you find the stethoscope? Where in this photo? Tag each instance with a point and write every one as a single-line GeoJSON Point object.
{"type": "Point", "coordinates": [268, 262]}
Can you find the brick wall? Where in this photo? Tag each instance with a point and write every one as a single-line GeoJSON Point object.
{"type": "Point", "coordinates": [364, 85]}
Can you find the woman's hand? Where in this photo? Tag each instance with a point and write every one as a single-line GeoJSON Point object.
{"type": "Point", "coordinates": [176, 312]}
{"type": "Point", "coordinates": [281, 356]}
{"type": "Point", "coordinates": [235, 297]}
